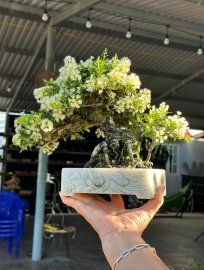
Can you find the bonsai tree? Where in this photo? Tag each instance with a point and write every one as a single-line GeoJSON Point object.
{"type": "Point", "coordinates": [100, 93]}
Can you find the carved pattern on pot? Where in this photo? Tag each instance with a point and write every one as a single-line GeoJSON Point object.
{"type": "Point", "coordinates": [140, 182]}
{"type": "Point", "coordinates": [97, 181]}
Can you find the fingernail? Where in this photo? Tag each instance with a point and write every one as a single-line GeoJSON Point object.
{"type": "Point", "coordinates": [161, 189]}
{"type": "Point", "coordinates": [61, 194]}
{"type": "Point", "coordinates": [64, 195]}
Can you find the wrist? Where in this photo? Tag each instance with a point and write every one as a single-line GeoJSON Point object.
{"type": "Point", "coordinates": [115, 243]}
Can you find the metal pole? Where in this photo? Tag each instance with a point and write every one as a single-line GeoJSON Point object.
{"type": "Point", "coordinates": [42, 168]}
{"type": "Point", "coordinates": [39, 207]}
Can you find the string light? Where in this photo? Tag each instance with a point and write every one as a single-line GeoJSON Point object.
{"type": "Point", "coordinates": [8, 87]}
{"type": "Point", "coordinates": [88, 22]}
{"type": "Point", "coordinates": [166, 40]}
{"type": "Point", "coordinates": [129, 33]}
{"type": "Point", "coordinates": [45, 16]}
{"type": "Point", "coordinates": [200, 49]}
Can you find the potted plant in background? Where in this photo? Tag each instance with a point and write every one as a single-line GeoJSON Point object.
{"type": "Point", "coordinates": [102, 93]}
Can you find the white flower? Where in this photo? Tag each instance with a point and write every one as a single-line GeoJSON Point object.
{"type": "Point", "coordinates": [49, 148]}
{"type": "Point", "coordinates": [70, 70]}
{"type": "Point", "coordinates": [102, 82]}
{"type": "Point", "coordinates": [115, 76]}
{"type": "Point", "coordinates": [133, 80]}
{"type": "Point", "coordinates": [99, 133]}
{"type": "Point", "coordinates": [46, 125]}
{"type": "Point", "coordinates": [124, 104]}
{"type": "Point", "coordinates": [142, 100]}
{"type": "Point", "coordinates": [75, 102]}
{"type": "Point", "coordinates": [59, 115]}
{"type": "Point", "coordinates": [43, 92]}
{"type": "Point", "coordinates": [88, 63]}
{"type": "Point", "coordinates": [164, 106]}
{"type": "Point", "coordinates": [124, 64]}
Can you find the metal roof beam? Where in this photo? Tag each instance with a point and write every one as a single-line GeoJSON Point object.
{"type": "Point", "coordinates": [173, 90]}
{"type": "Point", "coordinates": [32, 13]}
{"type": "Point", "coordinates": [150, 17]}
{"type": "Point", "coordinates": [21, 14]}
{"type": "Point", "coordinates": [186, 100]}
{"type": "Point", "coordinates": [194, 116]}
{"type": "Point", "coordinates": [33, 58]}
{"type": "Point", "coordinates": [164, 75]}
{"type": "Point", "coordinates": [15, 50]}
{"type": "Point", "coordinates": [116, 31]}
{"type": "Point", "coordinates": [106, 7]}
{"type": "Point", "coordinates": [73, 10]}
{"type": "Point", "coordinates": [80, 5]}
{"type": "Point", "coordinates": [20, 7]}
{"type": "Point", "coordinates": [99, 27]}
{"type": "Point", "coordinates": [10, 76]}
{"type": "Point", "coordinates": [5, 95]}
{"type": "Point", "coordinates": [159, 74]}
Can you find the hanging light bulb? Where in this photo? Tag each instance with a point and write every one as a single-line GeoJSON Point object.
{"type": "Point", "coordinates": [9, 88]}
{"type": "Point", "coordinates": [88, 22]}
{"type": "Point", "coordinates": [129, 33]}
{"type": "Point", "coordinates": [200, 49]}
{"type": "Point", "coordinates": [166, 40]}
{"type": "Point", "coordinates": [45, 16]}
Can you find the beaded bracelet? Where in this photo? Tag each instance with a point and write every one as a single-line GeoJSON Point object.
{"type": "Point", "coordinates": [128, 251]}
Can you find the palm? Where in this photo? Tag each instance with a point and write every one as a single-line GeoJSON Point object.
{"type": "Point", "coordinates": [106, 217]}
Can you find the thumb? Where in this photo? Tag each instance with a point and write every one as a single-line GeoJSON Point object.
{"type": "Point", "coordinates": [153, 205]}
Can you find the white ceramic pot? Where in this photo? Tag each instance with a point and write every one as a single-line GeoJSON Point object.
{"type": "Point", "coordinates": [140, 182]}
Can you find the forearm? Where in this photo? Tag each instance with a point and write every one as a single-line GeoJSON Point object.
{"type": "Point", "coordinates": [116, 243]}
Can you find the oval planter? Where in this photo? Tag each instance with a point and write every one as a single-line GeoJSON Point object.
{"type": "Point", "coordinates": [140, 182]}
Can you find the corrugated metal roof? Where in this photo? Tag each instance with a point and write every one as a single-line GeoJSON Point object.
{"type": "Point", "coordinates": [160, 67]}
{"type": "Point", "coordinates": [175, 9]}
{"type": "Point", "coordinates": [156, 84]}
{"type": "Point", "coordinates": [143, 24]}
{"type": "Point", "coordinates": [19, 33]}
{"type": "Point", "coordinates": [193, 90]}
{"type": "Point", "coordinates": [160, 58]}
{"type": "Point", "coordinates": [51, 4]}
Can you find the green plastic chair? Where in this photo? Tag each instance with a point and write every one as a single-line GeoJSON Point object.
{"type": "Point", "coordinates": [175, 201]}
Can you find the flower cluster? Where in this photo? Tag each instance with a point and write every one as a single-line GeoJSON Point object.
{"type": "Point", "coordinates": [161, 127]}
{"type": "Point", "coordinates": [88, 93]}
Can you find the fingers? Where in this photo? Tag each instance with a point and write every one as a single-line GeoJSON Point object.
{"type": "Point", "coordinates": [82, 202]}
{"type": "Point", "coordinates": [117, 200]}
{"type": "Point", "coordinates": [153, 205]}
{"type": "Point", "coordinates": [87, 198]}
{"type": "Point", "coordinates": [80, 206]}
{"type": "Point", "coordinates": [77, 204]}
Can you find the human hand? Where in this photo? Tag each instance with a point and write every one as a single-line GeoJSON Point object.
{"type": "Point", "coordinates": [112, 217]}
{"type": "Point", "coordinates": [118, 228]}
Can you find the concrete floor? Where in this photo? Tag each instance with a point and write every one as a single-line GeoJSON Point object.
{"type": "Point", "coordinates": [172, 237]}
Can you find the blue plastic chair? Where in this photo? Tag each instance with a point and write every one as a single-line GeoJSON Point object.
{"type": "Point", "coordinates": [12, 216]}
{"type": "Point", "coordinates": [11, 229]}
